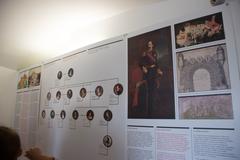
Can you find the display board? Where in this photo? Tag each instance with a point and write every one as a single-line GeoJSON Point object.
{"type": "Point", "coordinates": [183, 97]}
{"type": "Point", "coordinates": [26, 117]}
{"type": "Point", "coordinates": [166, 92]}
{"type": "Point", "coordinates": [83, 103]}
{"type": "Point", "coordinates": [27, 106]}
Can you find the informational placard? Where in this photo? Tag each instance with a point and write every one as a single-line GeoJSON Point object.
{"type": "Point", "coordinates": [83, 104]}
{"type": "Point", "coordinates": [26, 117]}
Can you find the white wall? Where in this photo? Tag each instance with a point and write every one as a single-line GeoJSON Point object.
{"type": "Point", "coordinates": [8, 80]}
{"type": "Point", "coordinates": [149, 15]}
{"type": "Point", "coordinates": [139, 18]}
{"type": "Point", "coordinates": [236, 19]}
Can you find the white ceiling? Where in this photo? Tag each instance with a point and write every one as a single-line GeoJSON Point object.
{"type": "Point", "coordinates": [36, 30]}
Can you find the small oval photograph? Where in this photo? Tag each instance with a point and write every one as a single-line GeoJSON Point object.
{"type": "Point", "coordinates": [69, 94]}
{"type": "Point", "coordinates": [48, 96]}
{"type": "Point", "coordinates": [90, 115]}
{"type": "Point", "coordinates": [107, 141]}
{"type": "Point", "coordinates": [52, 114]}
{"type": "Point", "coordinates": [58, 95]}
{"type": "Point", "coordinates": [108, 115]}
{"type": "Point", "coordinates": [59, 75]}
{"type": "Point", "coordinates": [70, 72]}
{"type": "Point", "coordinates": [75, 114]}
{"type": "Point", "coordinates": [99, 91]}
{"type": "Point", "coordinates": [63, 114]}
{"type": "Point", "coordinates": [43, 114]}
{"type": "Point", "coordinates": [118, 89]}
{"type": "Point", "coordinates": [83, 92]}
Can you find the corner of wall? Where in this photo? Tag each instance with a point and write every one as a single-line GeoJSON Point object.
{"type": "Point", "coordinates": [7, 95]}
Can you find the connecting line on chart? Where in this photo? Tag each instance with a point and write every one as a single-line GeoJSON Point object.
{"type": "Point", "coordinates": [82, 83]}
{"type": "Point", "coordinates": [47, 108]}
{"type": "Point", "coordinates": [91, 107]}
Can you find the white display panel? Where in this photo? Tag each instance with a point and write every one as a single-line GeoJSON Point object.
{"type": "Point", "coordinates": [195, 117]}
{"type": "Point", "coordinates": [26, 117]}
{"type": "Point", "coordinates": [195, 94]}
{"type": "Point", "coordinates": [82, 114]}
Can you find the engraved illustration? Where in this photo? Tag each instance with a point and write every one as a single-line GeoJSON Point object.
{"type": "Point", "coordinates": [203, 69]}
{"type": "Point", "coordinates": [200, 30]}
{"type": "Point", "coordinates": [34, 77]}
{"type": "Point", "coordinates": [206, 107]}
{"type": "Point", "coordinates": [23, 80]}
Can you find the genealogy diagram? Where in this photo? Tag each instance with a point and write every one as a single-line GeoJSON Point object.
{"type": "Point", "coordinates": [83, 100]}
{"type": "Point", "coordinates": [83, 103]}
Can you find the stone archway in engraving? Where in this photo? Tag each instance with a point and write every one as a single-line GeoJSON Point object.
{"type": "Point", "coordinates": [201, 80]}
{"type": "Point", "coordinates": [207, 65]}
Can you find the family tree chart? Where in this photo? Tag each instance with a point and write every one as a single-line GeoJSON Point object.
{"type": "Point", "coordinates": [83, 103]}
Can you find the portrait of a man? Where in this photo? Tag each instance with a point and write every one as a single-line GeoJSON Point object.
{"type": "Point", "coordinates": [48, 96]}
{"type": "Point", "coordinates": [83, 92]}
{"type": "Point", "coordinates": [90, 115]}
{"type": "Point", "coordinates": [75, 114]}
{"type": "Point", "coordinates": [107, 115]}
{"type": "Point", "coordinates": [118, 89]}
{"type": "Point", "coordinates": [99, 91]}
{"type": "Point", "coordinates": [69, 94]}
{"type": "Point", "coordinates": [107, 141]}
{"type": "Point", "coordinates": [52, 114]}
{"type": "Point", "coordinates": [59, 75]}
{"type": "Point", "coordinates": [43, 114]}
{"type": "Point", "coordinates": [58, 95]}
{"type": "Point", "coordinates": [70, 72]}
{"type": "Point", "coordinates": [63, 114]}
{"type": "Point", "coordinates": [150, 75]}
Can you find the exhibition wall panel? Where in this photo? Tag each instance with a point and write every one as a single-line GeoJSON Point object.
{"type": "Point", "coordinates": [83, 101]}
{"type": "Point", "coordinates": [167, 91]}
{"type": "Point", "coordinates": [183, 89]}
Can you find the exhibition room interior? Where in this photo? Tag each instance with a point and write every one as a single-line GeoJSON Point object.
{"type": "Point", "coordinates": [34, 31]}
{"type": "Point", "coordinates": [122, 79]}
